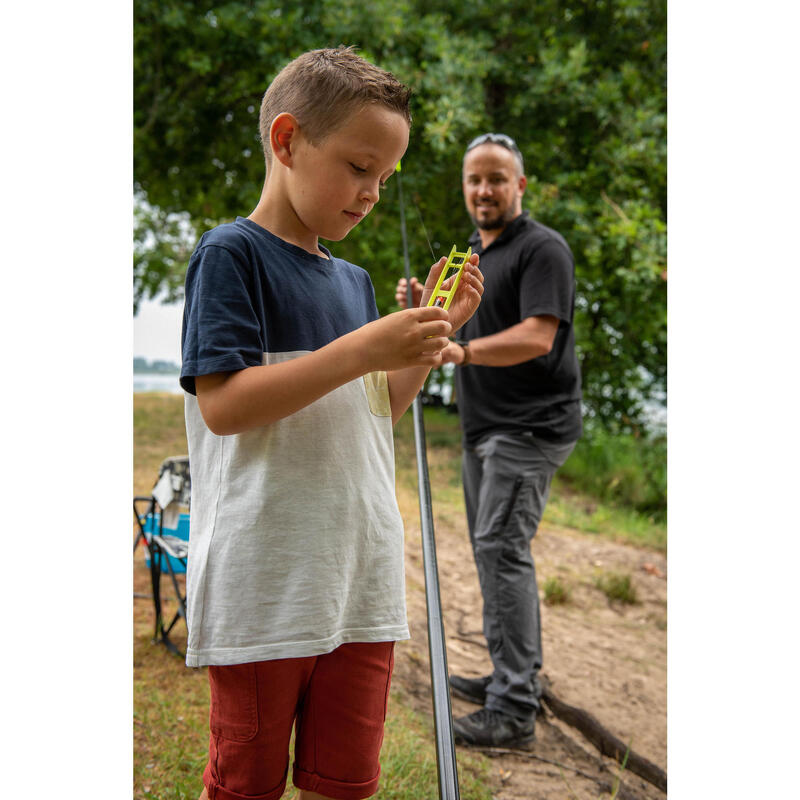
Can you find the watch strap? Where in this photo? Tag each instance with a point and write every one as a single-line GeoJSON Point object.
{"type": "Point", "coordinates": [464, 344]}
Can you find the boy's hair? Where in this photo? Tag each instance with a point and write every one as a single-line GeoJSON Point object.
{"type": "Point", "coordinates": [322, 88]}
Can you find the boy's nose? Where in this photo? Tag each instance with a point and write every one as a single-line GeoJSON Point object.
{"type": "Point", "coordinates": [371, 192]}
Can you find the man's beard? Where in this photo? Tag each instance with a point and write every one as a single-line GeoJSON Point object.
{"type": "Point", "coordinates": [493, 223]}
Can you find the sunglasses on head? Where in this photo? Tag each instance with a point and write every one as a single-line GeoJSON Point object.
{"type": "Point", "coordinates": [495, 138]}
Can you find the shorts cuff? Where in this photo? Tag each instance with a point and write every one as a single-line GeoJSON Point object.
{"type": "Point", "coordinates": [218, 792]}
{"type": "Point", "coordinates": [331, 788]}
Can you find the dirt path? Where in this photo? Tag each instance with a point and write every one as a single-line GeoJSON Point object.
{"type": "Point", "coordinates": [607, 658]}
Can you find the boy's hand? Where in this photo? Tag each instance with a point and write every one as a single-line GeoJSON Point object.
{"type": "Point", "coordinates": [466, 300]}
{"type": "Point", "coordinates": [414, 337]}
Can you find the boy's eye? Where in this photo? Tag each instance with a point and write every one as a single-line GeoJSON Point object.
{"type": "Point", "coordinates": [362, 170]}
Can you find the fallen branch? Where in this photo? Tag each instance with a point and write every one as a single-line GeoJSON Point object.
{"type": "Point", "coordinates": [622, 791]}
{"type": "Point", "coordinates": [602, 738]}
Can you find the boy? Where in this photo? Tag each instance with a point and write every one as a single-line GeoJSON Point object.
{"type": "Point", "coordinates": [296, 582]}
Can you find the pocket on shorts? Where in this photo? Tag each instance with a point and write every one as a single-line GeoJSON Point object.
{"type": "Point", "coordinates": [377, 388]}
{"type": "Point", "coordinates": [234, 701]}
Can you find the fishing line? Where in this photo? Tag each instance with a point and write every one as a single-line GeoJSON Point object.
{"type": "Point", "coordinates": [419, 214]}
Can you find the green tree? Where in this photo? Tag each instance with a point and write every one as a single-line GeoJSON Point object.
{"type": "Point", "coordinates": [581, 86]}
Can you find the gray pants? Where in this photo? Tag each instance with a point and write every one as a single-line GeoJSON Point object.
{"type": "Point", "coordinates": [506, 484]}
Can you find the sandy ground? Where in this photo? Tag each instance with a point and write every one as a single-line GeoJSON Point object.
{"type": "Point", "coordinates": [609, 659]}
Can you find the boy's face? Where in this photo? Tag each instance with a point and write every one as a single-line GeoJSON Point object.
{"type": "Point", "coordinates": [335, 185]}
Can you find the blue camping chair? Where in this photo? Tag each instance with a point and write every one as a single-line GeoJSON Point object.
{"type": "Point", "coordinates": [162, 528]}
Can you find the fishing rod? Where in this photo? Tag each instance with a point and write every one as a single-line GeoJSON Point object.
{"type": "Point", "coordinates": [442, 711]}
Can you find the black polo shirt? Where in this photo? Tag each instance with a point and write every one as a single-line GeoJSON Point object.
{"type": "Point", "coordinates": [528, 271]}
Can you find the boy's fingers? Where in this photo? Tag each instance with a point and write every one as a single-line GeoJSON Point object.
{"type": "Point", "coordinates": [436, 328]}
{"type": "Point", "coordinates": [434, 344]}
{"type": "Point", "coordinates": [427, 313]}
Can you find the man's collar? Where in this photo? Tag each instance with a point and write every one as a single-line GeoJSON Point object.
{"type": "Point", "coordinates": [508, 232]}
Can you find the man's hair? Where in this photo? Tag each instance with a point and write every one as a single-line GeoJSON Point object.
{"type": "Point", "coordinates": [323, 88]}
{"type": "Point", "coordinates": [504, 140]}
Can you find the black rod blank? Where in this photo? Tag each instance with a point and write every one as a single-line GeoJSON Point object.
{"type": "Point", "coordinates": [442, 711]}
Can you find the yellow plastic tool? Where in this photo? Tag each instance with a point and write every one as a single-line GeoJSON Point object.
{"type": "Point", "coordinates": [453, 268]}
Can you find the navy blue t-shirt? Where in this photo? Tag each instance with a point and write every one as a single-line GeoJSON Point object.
{"type": "Point", "coordinates": [249, 293]}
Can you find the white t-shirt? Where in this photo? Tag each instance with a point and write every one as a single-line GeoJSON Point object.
{"type": "Point", "coordinates": [296, 542]}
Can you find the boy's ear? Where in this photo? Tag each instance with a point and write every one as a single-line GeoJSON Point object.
{"type": "Point", "coordinates": [283, 136]}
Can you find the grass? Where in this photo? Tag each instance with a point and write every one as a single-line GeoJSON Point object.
{"type": "Point", "coordinates": [617, 587]}
{"type": "Point", "coordinates": [159, 432]}
{"type": "Point", "coordinates": [171, 702]}
{"type": "Point", "coordinates": [621, 470]}
{"type": "Point", "coordinates": [555, 592]}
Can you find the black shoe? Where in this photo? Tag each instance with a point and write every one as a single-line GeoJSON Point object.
{"type": "Point", "coordinates": [472, 689]}
{"type": "Point", "coordinates": [492, 729]}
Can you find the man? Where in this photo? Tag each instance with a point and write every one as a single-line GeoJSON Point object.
{"type": "Point", "coordinates": [518, 389]}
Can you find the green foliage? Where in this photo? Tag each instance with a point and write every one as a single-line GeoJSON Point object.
{"type": "Point", "coordinates": [616, 586]}
{"type": "Point", "coordinates": [162, 245]}
{"type": "Point", "coordinates": [622, 469]}
{"type": "Point", "coordinates": [581, 87]}
{"type": "Point", "coordinates": [556, 593]}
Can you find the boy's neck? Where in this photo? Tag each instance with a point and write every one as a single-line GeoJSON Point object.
{"type": "Point", "coordinates": [277, 216]}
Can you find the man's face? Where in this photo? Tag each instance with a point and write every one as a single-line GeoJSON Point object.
{"type": "Point", "coordinates": [493, 186]}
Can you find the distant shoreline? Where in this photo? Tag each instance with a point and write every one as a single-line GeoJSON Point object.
{"type": "Point", "coordinates": [157, 382]}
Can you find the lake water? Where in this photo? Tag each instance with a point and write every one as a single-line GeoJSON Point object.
{"type": "Point", "coordinates": [655, 413]}
{"type": "Point", "coordinates": [145, 382]}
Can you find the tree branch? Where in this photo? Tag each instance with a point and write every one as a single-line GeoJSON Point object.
{"type": "Point", "coordinates": [602, 738]}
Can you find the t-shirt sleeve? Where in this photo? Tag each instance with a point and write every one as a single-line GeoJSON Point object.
{"type": "Point", "coordinates": [221, 330]}
{"type": "Point", "coordinates": [547, 283]}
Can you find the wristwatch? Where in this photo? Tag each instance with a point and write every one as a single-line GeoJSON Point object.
{"type": "Point", "coordinates": [465, 346]}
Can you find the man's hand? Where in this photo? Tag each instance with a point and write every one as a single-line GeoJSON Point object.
{"type": "Point", "coordinates": [468, 294]}
{"type": "Point", "coordinates": [401, 293]}
{"type": "Point", "coordinates": [453, 354]}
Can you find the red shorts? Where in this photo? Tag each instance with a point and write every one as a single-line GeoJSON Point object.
{"type": "Point", "coordinates": [338, 703]}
